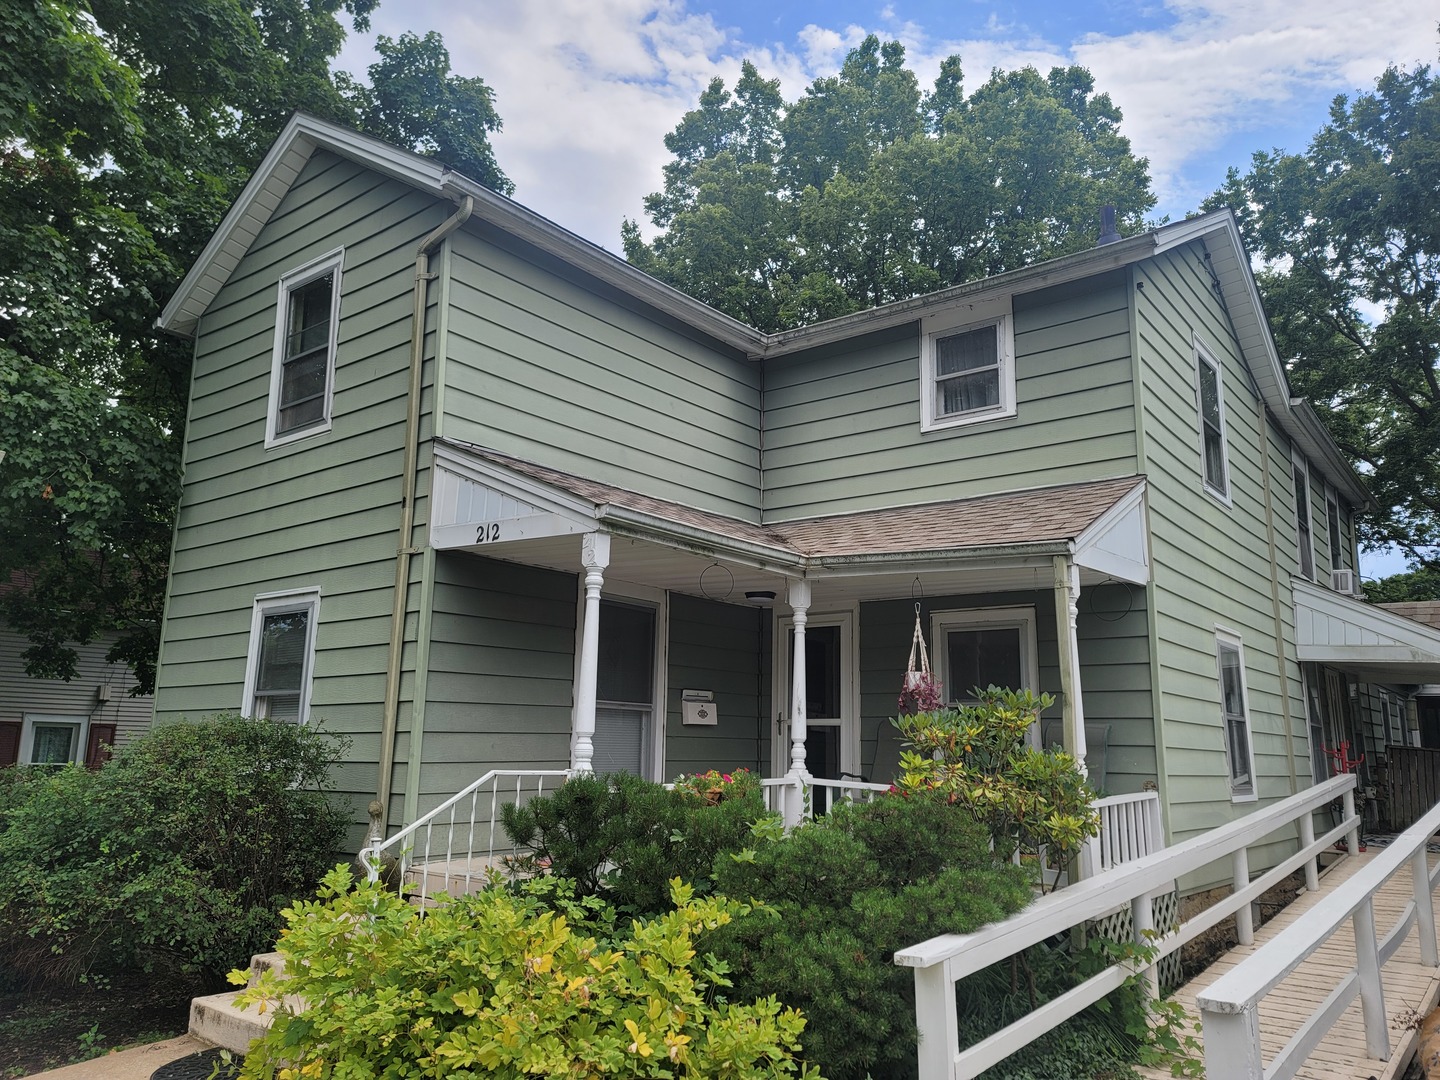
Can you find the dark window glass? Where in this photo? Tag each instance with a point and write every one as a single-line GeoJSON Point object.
{"type": "Point", "coordinates": [967, 372]}
{"type": "Point", "coordinates": [1237, 731]}
{"type": "Point", "coordinates": [281, 669]}
{"type": "Point", "coordinates": [1302, 522]}
{"type": "Point", "coordinates": [307, 355]}
{"type": "Point", "coordinates": [983, 657]}
{"type": "Point", "coordinates": [627, 653]}
{"type": "Point", "coordinates": [1212, 427]}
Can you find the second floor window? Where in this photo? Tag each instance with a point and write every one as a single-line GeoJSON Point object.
{"type": "Point", "coordinates": [1304, 531]}
{"type": "Point", "coordinates": [304, 363]}
{"type": "Point", "coordinates": [1211, 395]}
{"type": "Point", "coordinates": [967, 373]}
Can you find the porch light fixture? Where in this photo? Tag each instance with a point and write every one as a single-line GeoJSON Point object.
{"type": "Point", "coordinates": [761, 597]}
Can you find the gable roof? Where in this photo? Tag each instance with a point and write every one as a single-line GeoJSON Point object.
{"type": "Point", "coordinates": [303, 135]}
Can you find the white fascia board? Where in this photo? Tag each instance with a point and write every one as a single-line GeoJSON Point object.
{"type": "Point", "coordinates": [1362, 623]}
{"type": "Point", "coordinates": [524, 488]}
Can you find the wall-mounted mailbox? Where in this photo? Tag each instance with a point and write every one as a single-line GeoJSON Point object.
{"type": "Point", "coordinates": [698, 707]}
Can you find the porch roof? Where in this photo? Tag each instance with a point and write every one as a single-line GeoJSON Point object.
{"type": "Point", "coordinates": [1101, 517]}
{"type": "Point", "coordinates": [1363, 639]}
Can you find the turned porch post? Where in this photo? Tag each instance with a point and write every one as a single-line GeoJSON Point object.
{"type": "Point", "coordinates": [1067, 599]}
{"type": "Point", "coordinates": [799, 597]}
{"type": "Point", "coordinates": [595, 555]}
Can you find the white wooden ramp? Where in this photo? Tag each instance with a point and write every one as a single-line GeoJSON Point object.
{"type": "Point", "coordinates": [1411, 987]}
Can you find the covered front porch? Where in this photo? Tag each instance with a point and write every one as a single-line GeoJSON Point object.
{"type": "Point", "coordinates": [702, 641]}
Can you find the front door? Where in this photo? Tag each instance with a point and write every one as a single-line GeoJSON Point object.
{"type": "Point", "coordinates": [832, 739]}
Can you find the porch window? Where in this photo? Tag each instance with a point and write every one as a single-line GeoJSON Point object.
{"type": "Point", "coordinates": [1211, 402]}
{"type": "Point", "coordinates": [282, 652]}
{"type": "Point", "coordinates": [302, 369]}
{"type": "Point", "coordinates": [967, 372]}
{"type": "Point", "coordinates": [1304, 534]}
{"type": "Point", "coordinates": [1236, 716]}
{"type": "Point", "coordinates": [625, 689]}
{"type": "Point", "coordinates": [987, 647]}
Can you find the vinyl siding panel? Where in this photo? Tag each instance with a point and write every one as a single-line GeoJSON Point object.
{"type": "Point", "coordinates": [842, 424]}
{"type": "Point", "coordinates": [548, 366]}
{"type": "Point", "coordinates": [21, 694]}
{"type": "Point", "coordinates": [1211, 561]}
{"type": "Point", "coordinates": [320, 511]}
{"type": "Point", "coordinates": [717, 647]}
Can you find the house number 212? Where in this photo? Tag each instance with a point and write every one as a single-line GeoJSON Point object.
{"type": "Point", "coordinates": [486, 534]}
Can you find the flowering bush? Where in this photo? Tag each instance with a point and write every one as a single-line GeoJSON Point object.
{"type": "Point", "coordinates": [715, 786]}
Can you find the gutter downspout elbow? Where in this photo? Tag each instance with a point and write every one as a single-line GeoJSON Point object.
{"type": "Point", "coordinates": [390, 720]}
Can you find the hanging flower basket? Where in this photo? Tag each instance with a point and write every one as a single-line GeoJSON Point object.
{"type": "Point", "coordinates": [919, 692]}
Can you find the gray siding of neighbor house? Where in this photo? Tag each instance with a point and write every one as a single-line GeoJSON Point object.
{"type": "Point", "coordinates": [1115, 673]}
{"type": "Point", "coordinates": [547, 365]}
{"type": "Point", "coordinates": [20, 694]}
{"type": "Point", "coordinates": [717, 647]}
{"type": "Point", "coordinates": [1212, 562]}
{"type": "Point", "coordinates": [321, 511]}
{"type": "Point", "coordinates": [842, 424]}
{"type": "Point", "coordinates": [500, 676]}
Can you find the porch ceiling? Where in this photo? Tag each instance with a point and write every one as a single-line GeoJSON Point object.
{"type": "Point", "coordinates": [518, 511]}
{"type": "Point", "coordinates": [1366, 641]}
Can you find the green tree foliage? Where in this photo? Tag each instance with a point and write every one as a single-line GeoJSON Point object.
{"type": "Point", "coordinates": [867, 190]}
{"type": "Point", "coordinates": [177, 854]}
{"type": "Point", "coordinates": [1423, 584]}
{"type": "Point", "coordinates": [1349, 232]}
{"type": "Point", "coordinates": [127, 127]}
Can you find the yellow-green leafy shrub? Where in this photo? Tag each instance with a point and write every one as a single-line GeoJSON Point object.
{"type": "Point", "coordinates": [511, 983]}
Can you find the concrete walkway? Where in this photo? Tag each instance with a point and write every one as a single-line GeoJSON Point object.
{"type": "Point", "coordinates": [136, 1063]}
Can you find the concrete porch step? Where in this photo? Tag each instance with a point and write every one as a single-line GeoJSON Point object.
{"type": "Point", "coordinates": [218, 1020]}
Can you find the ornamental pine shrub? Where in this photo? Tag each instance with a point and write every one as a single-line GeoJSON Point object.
{"type": "Point", "coordinates": [179, 853]}
{"type": "Point", "coordinates": [843, 893]}
{"type": "Point", "coordinates": [510, 983]}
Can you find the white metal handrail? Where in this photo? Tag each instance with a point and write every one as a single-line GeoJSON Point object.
{"type": "Point", "coordinates": [457, 821]}
{"type": "Point", "coordinates": [942, 961]}
{"type": "Point", "coordinates": [1230, 1007]}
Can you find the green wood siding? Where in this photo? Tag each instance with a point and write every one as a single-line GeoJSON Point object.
{"type": "Point", "coordinates": [501, 673]}
{"type": "Point", "coordinates": [842, 424]}
{"type": "Point", "coordinates": [553, 368]}
{"type": "Point", "coordinates": [1211, 562]}
{"type": "Point", "coordinates": [318, 512]}
{"type": "Point", "coordinates": [717, 647]}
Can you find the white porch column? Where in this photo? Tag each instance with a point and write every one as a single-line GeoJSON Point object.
{"type": "Point", "coordinates": [595, 554]}
{"type": "Point", "coordinates": [1067, 599]}
{"type": "Point", "coordinates": [799, 606]}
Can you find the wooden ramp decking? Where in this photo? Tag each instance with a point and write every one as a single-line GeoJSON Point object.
{"type": "Point", "coordinates": [1411, 989]}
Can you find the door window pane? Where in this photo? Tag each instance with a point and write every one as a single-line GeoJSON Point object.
{"type": "Point", "coordinates": [982, 657]}
{"type": "Point", "coordinates": [627, 653]}
{"type": "Point", "coordinates": [620, 740]}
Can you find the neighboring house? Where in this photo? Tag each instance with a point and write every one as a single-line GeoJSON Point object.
{"type": "Point", "coordinates": [478, 494]}
{"type": "Point", "coordinates": [49, 721]}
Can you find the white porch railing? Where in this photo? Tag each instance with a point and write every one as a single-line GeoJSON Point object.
{"type": "Point", "coordinates": [783, 796]}
{"type": "Point", "coordinates": [1130, 829]}
{"type": "Point", "coordinates": [453, 847]}
{"type": "Point", "coordinates": [943, 961]}
{"type": "Point", "coordinates": [1230, 1007]}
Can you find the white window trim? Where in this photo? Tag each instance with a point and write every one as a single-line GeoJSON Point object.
{"type": "Point", "coordinates": [627, 592]}
{"type": "Point", "coordinates": [276, 603]}
{"type": "Point", "coordinates": [1021, 618]}
{"type": "Point", "coordinates": [995, 313]}
{"type": "Point", "coordinates": [294, 279]}
{"type": "Point", "coordinates": [1227, 638]}
{"type": "Point", "coordinates": [27, 734]}
{"type": "Point", "coordinates": [1337, 559]}
{"type": "Point", "coordinates": [1298, 461]}
{"type": "Point", "coordinates": [1203, 354]}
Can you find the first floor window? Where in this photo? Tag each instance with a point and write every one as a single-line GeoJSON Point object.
{"type": "Point", "coordinates": [984, 648]}
{"type": "Point", "coordinates": [52, 740]}
{"type": "Point", "coordinates": [282, 651]}
{"type": "Point", "coordinates": [967, 373]}
{"type": "Point", "coordinates": [1236, 715]}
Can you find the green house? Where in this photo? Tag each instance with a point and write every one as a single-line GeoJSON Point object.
{"type": "Point", "coordinates": [480, 495]}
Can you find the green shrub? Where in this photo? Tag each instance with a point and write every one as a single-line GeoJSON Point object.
{"type": "Point", "coordinates": [847, 891]}
{"type": "Point", "coordinates": [179, 852]}
{"type": "Point", "coordinates": [625, 838]}
{"type": "Point", "coordinates": [504, 984]}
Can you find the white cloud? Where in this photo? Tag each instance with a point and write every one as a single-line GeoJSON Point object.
{"type": "Point", "coordinates": [589, 88]}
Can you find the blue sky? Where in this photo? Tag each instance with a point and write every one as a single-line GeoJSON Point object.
{"type": "Point", "coordinates": [588, 88]}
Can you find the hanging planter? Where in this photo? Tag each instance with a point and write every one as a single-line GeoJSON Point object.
{"type": "Point", "coordinates": [919, 693]}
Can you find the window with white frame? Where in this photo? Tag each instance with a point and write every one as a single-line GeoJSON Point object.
{"type": "Point", "coordinates": [1210, 400]}
{"type": "Point", "coordinates": [1235, 714]}
{"type": "Point", "coordinates": [984, 647]}
{"type": "Point", "coordinates": [967, 367]}
{"type": "Point", "coordinates": [1332, 521]}
{"type": "Point", "coordinates": [280, 666]}
{"type": "Point", "coordinates": [626, 691]}
{"type": "Point", "coordinates": [1304, 530]}
{"type": "Point", "coordinates": [52, 740]}
{"type": "Point", "coordinates": [302, 370]}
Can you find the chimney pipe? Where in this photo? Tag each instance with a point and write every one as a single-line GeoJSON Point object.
{"type": "Point", "coordinates": [1108, 233]}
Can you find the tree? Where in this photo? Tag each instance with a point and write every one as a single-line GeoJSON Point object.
{"type": "Point", "coordinates": [1398, 588]}
{"type": "Point", "coordinates": [866, 191]}
{"type": "Point", "coordinates": [1349, 235]}
{"type": "Point", "coordinates": [127, 127]}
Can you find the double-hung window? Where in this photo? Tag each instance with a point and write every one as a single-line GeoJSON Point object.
{"type": "Point", "coordinates": [1235, 714]}
{"type": "Point", "coordinates": [282, 653]}
{"type": "Point", "coordinates": [303, 367]}
{"type": "Point", "coordinates": [1304, 531]}
{"type": "Point", "coordinates": [967, 370]}
{"type": "Point", "coordinates": [1210, 399]}
{"type": "Point", "coordinates": [626, 692]}
{"type": "Point", "coordinates": [1332, 522]}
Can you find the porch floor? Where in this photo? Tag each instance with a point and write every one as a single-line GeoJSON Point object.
{"type": "Point", "coordinates": [1411, 988]}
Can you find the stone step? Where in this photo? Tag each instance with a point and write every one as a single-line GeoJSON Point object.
{"type": "Point", "coordinates": [269, 961]}
{"type": "Point", "coordinates": [217, 1019]}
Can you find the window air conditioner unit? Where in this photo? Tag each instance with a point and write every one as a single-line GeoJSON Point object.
{"type": "Point", "coordinates": [1345, 581]}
